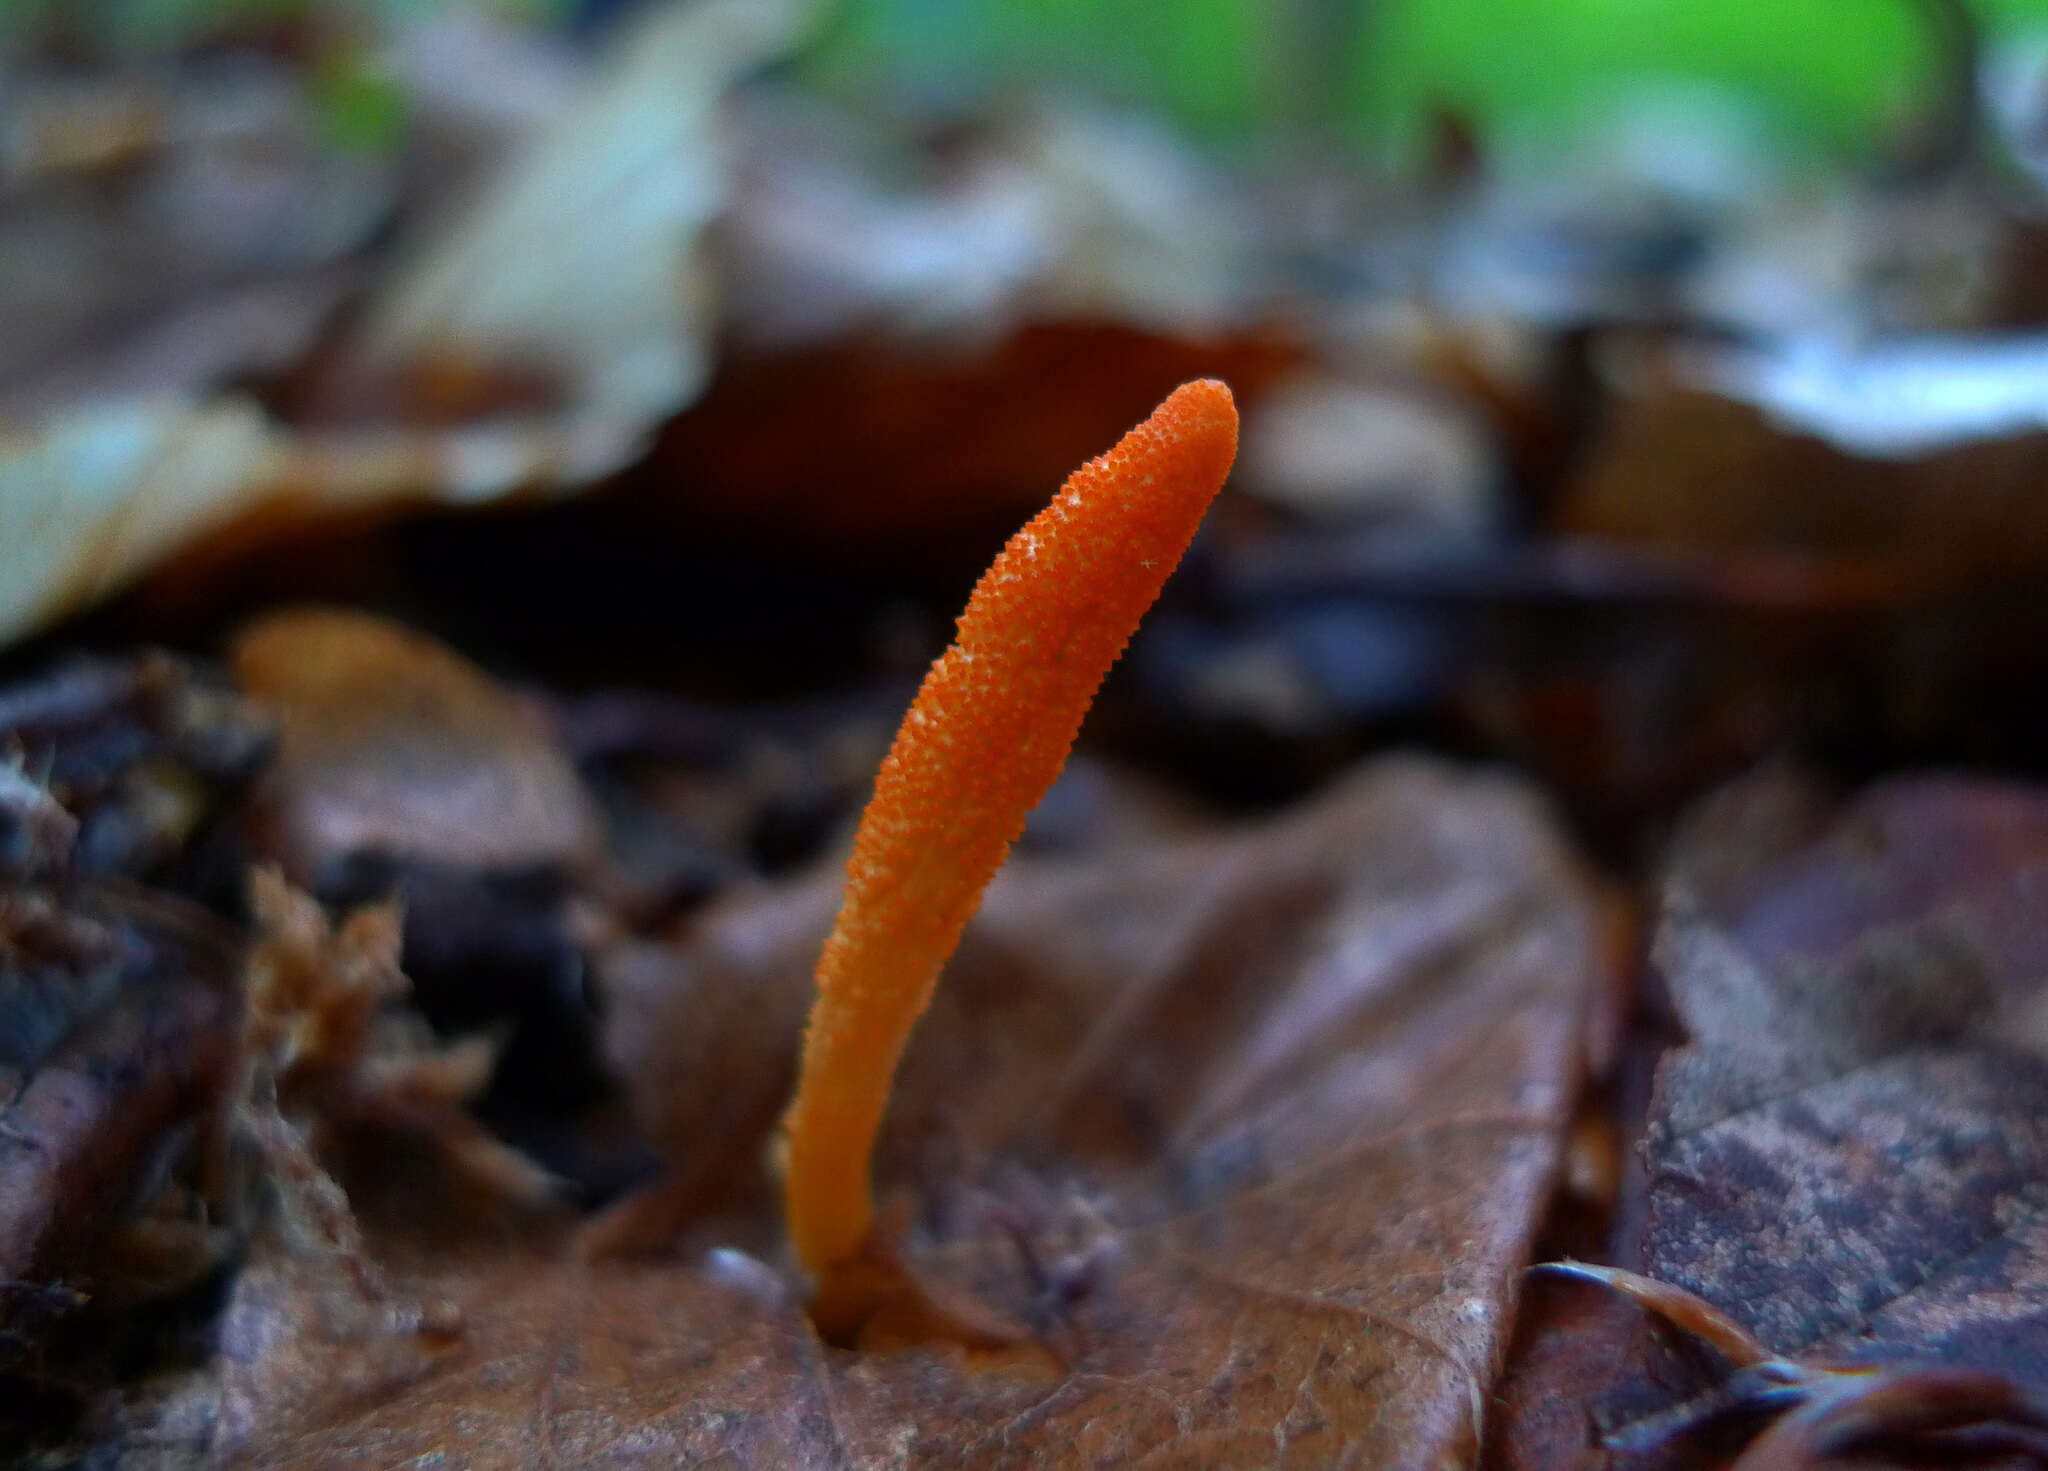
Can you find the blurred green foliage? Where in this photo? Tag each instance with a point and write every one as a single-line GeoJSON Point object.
{"type": "Point", "coordinates": [1200, 60]}
{"type": "Point", "coordinates": [361, 107]}
{"type": "Point", "coordinates": [1823, 76]}
{"type": "Point", "coordinates": [1829, 71]}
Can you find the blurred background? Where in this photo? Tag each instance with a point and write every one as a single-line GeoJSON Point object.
{"type": "Point", "coordinates": [1634, 396]}
{"type": "Point", "coordinates": [1632, 393]}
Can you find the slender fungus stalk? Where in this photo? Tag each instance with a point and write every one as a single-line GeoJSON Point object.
{"type": "Point", "coordinates": [988, 734]}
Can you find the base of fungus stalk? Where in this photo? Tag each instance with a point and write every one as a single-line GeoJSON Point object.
{"type": "Point", "coordinates": [877, 1301]}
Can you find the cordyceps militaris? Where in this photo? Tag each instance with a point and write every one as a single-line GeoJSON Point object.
{"type": "Point", "coordinates": [988, 734]}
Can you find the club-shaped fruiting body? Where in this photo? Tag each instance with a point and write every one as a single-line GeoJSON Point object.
{"type": "Point", "coordinates": [988, 734]}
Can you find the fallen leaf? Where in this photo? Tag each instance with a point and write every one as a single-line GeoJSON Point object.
{"type": "Point", "coordinates": [1255, 1129]}
{"type": "Point", "coordinates": [583, 251]}
{"type": "Point", "coordinates": [141, 756]}
{"type": "Point", "coordinates": [1895, 399]}
{"type": "Point", "coordinates": [1703, 454]}
{"type": "Point", "coordinates": [405, 771]}
{"type": "Point", "coordinates": [579, 269]}
{"type": "Point", "coordinates": [1852, 1154]}
{"type": "Point", "coordinates": [325, 1053]}
{"type": "Point", "coordinates": [1850, 1157]}
{"type": "Point", "coordinates": [118, 1023]}
{"type": "Point", "coordinates": [394, 744]}
{"type": "Point", "coordinates": [903, 441]}
{"type": "Point", "coordinates": [1057, 212]}
{"type": "Point", "coordinates": [120, 1013]}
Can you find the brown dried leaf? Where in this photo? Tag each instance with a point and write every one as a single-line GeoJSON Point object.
{"type": "Point", "coordinates": [1851, 1158]}
{"type": "Point", "coordinates": [1571, 1340]}
{"type": "Point", "coordinates": [120, 1012]}
{"type": "Point", "coordinates": [393, 743]}
{"type": "Point", "coordinates": [580, 268]}
{"type": "Point", "coordinates": [1685, 468]}
{"type": "Point", "coordinates": [1254, 1129]}
{"type": "Point", "coordinates": [902, 441]}
{"type": "Point", "coordinates": [140, 990]}
{"type": "Point", "coordinates": [325, 1054]}
{"type": "Point", "coordinates": [123, 765]}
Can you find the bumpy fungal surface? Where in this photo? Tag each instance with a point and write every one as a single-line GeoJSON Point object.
{"type": "Point", "coordinates": [987, 736]}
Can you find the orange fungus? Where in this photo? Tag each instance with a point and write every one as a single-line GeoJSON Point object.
{"type": "Point", "coordinates": [988, 734]}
